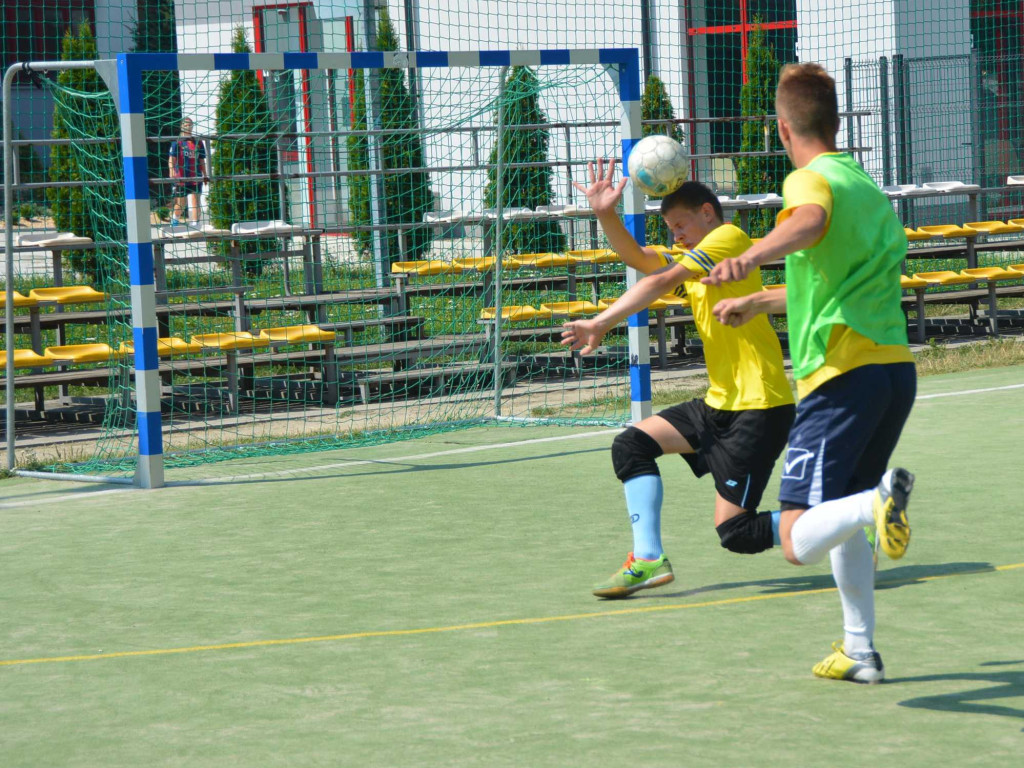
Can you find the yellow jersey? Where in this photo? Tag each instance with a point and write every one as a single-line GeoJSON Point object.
{"type": "Point", "coordinates": [745, 370]}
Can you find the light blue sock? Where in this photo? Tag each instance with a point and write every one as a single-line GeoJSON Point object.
{"type": "Point", "coordinates": [643, 501]}
{"type": "Point", "coordinates": [776, 516]}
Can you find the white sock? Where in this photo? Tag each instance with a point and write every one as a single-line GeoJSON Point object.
{"type": "Point", "coordinates": [829, 524]}
{"type": "Point", "coordinates": [853, 568]}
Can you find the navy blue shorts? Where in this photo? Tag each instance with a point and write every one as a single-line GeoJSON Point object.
{"type": "Point", "coordinates": [845, 432]}
{"type": "Point", "coordinates": [738, 448]}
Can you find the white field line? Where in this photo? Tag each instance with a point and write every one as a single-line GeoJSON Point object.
{"type": "Point", "coordinates": [396, 460]}
{"type": "Point", "coordinates": [968, 392]}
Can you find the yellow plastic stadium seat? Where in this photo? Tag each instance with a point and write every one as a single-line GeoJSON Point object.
{"type": "Point", "coordinates": [990, 273]}
{"type": "Point", "coordinates": [571, 308]}
{"type": "Point", "coordinates": [603, 304]}
{"type": "Point", "coordinates": [910, 283]}
{"type": "Point", "coordinates": [914, 234]}
{"type": "Point", "coordinates": [515, 313]}
{"type": "Point", "coordinates": [25, 358]}
{"type": "Point", "coordinates": [83, 353]}
{"type": "Point", "coordinates": [1016, 268]}
{"type": "Point", "coordinates": [477, 263]}
{"type": "Point", "coordinates": [19, 300]}
{"type": "Point", "coordinates": [423, 268]}
{"type": "Point", "coordinates": [72, 294]}
{"type": "Point", "coordinates": [772, 287]}
{"type": "Point", "coordinates": [604, 255]}
{"type": "Point", "coordinates": [166, 346]}
{"type": "Point", "coordinates": [994, 227]}
{"type": "Point", "coordinates": [541, 260]}
{"type": "Point", "coordinates": [230, 341]}
{"type": "Point", "coordinates": [944, 277]}
{"type": "Point", "coordinates": [1016, 222]}
{"type": "Point", "coordinates": [948, 230]}
{"type": "Point", "coordinates": [297, 334]}
{"type": "Point", "coordinates": [669, 300]}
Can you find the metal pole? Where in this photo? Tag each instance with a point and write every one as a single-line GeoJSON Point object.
{"type": "Point", "coordinates": [9, 228]}
{"type": "Point", "coordinates": [902, 166]}
{"type": "Point", "coordinates": [381, 258]}
{"type": "Point", "coordinates": [885, 133]}
{"type": "Point", "coordinates": [646, 41]}
{"type": "Point", "coordinates": [9, 258]}
{"type": "Point", "coordinates": [499, 175]}
{"type": "Point", "coordinates": [848, 74]}
{"type": "Point", "coordinates": [412, 43]}
{"type": "Point", "coordinates": [977, 129]}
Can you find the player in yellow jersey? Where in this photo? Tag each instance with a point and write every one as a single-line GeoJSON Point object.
{"type": "Point", "coordinates": [738, 431]}
{"type": "Point", "coordinates": [843, 245]}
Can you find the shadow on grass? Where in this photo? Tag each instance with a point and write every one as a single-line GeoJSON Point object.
{"type": "Point", "coordinates": [1007, 684]}
{"type": "Point", "coordinates": [890, 579]}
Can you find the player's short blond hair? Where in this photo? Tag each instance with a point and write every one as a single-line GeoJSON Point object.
{"type": "Point", "coordinates": [806, 99]}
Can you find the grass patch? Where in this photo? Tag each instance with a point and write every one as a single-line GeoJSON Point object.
{"type": "Point", "coordinates": [996, 353]}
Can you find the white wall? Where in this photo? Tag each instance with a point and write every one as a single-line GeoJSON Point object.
{"type": "Point", "coordinates": [865, 30]}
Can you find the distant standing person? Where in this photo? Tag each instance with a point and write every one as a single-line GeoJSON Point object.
{"type": "Point", "coordinates": [186, 161]}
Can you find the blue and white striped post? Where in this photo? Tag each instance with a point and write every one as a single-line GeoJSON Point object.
{"type": "Point", "coordinates": [150, 470]}
{"type": "Point", "coordinates": [630, 95]}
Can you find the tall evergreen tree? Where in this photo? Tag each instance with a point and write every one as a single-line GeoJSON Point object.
{"type": "Point", "coordinates": [153, 31]}
{"type": "Point", "coordinates": [78, 113]}
{"type": "Point", "coordinates": [359, 160]}
{"type": "Point", "coordinates": [757, 97]}
{"type": "Point", "coordinates": [243, 117]}
{"type": "Point", "coordinates": [407, 195]}
{"type": "Point", "coordinates": [656, 105]}
{"type": "Point", "coordinates": [523, 187]}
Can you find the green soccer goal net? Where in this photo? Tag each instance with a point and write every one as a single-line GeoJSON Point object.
{"type": "Point", "coordinates": [346, 255]}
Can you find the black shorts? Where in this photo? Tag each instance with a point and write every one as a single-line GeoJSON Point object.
{"type": "Point", "coordinates": [738, 448]}
{"type": "Point", "coordinates": [181, 189]}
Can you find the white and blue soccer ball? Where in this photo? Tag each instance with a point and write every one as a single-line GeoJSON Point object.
{"type": "Point", "coordinates": [658, 165]}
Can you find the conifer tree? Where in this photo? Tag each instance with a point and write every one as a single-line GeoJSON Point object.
{"type": "Point", "coordinates": [243, 116]}
{"type": "Point", "coordinates": [359, 160]}
{"type": "Point", "coordinates": [656, 105]}
{"type": "Point", "coordinates": [407, 196]}
{"type": "Point", "coordinates": [757, 97]}
{"type": "Point", "coordinates": [523, 187]}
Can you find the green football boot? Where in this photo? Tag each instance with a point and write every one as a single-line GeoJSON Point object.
{"type": "Point", "coordinates": [635, 575]}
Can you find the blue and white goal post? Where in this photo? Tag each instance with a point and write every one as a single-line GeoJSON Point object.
{"type": "Point", "coordinates": [622, 64]}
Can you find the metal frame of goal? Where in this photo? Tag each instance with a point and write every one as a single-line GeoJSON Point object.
{"type": "Point", "coordinates": [123, 76]}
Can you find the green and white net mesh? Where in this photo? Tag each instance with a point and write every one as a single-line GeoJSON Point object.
{"type": "Point", "coordinates": [384, 188]}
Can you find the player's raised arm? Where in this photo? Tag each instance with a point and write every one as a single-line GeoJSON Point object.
{"type": "Point", "coordinates": [603, 195]}
{"type": "Point", "coordinates": [586, 335]}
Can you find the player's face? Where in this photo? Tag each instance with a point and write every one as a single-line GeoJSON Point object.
{"type": "Point", "coordinates": [690, 225]}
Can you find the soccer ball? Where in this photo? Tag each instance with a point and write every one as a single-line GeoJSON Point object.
{"type": "Point", "coordinates": [658, 165]}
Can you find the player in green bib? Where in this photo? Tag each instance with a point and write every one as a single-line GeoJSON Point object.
{"type": "Point", "coordinates": [855, 374]}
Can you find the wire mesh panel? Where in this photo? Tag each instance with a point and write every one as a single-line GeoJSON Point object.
{"type": "Point", "coordinates": [318, 282]}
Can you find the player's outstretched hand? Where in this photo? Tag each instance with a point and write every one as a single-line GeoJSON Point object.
{"type": "Point", "coordinates": [735, 312]}
{"type": "Point", "coordinates": [603, 194]}
{"type": "Point", "coordinates": [584, 335]}
{"type": "Point", "coordinates": [728, 271]}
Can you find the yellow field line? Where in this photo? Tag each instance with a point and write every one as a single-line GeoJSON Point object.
{"type": "Point", "coordinates": [482, 624]}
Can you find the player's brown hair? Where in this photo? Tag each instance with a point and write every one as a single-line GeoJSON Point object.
{"type": "Point", "coordinates": [806, 99]}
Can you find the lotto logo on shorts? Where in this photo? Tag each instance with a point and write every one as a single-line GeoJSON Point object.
{"type": "Point", "coordinates": [796, 462]}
